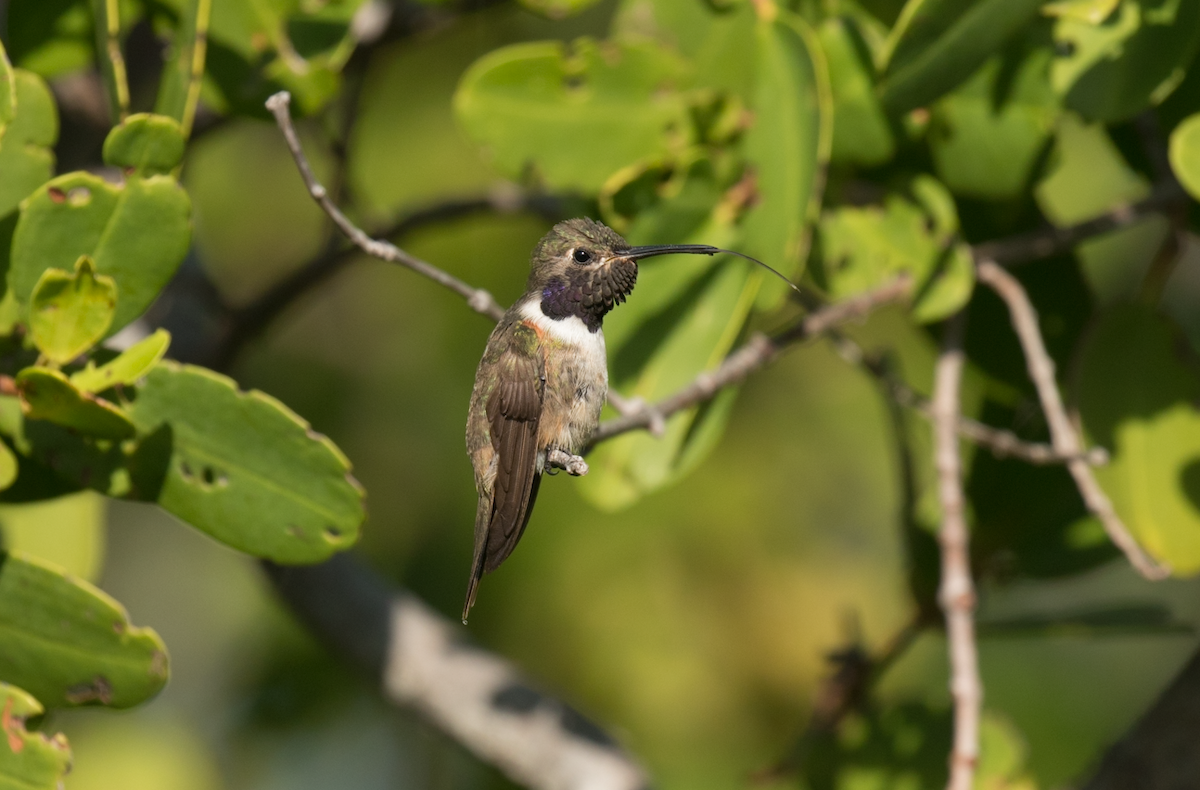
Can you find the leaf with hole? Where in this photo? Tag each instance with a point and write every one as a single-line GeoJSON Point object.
{"type": "Point", "coordinates": [145, 144]}
{"type": "Point", "coordinates": [617, 103]}
{"type": "Point", "coordinates": [936, 44]}
{"type": "Point", "coordinates": [47, 395]}
{"type": "Point", "coordinates": [69, 313]}
{"type": "Point", "coordinates": [28, 760]}
{"type": "Point", "coordinates": [136, 232]}
{"type": "Point", "coordinates": [1137, 399]}
{"type": "Point", "coordinates": [244, 468]}
{"type": "Point", "coordinates": [128, 368]}
{"type": "Point", "coordinates": [69, 644]}
{"type": "Point", "coordinates": [1113, 71]}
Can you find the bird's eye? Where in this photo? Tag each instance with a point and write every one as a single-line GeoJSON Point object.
{"type": "Point", "coordinates": [582, 256]}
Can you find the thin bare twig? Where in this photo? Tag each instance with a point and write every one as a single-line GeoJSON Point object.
{"type": "Point", "coordinates": [1046, 242]}
{"type": "Point", "coordinates": [757, 353]}
{"type": "Point", "coordinates": [1002, 443]}
{"type": "Point", "coordinates": [477, 299]}
{"type": "Point", "coordinates": [1062, 433]}
{"type": "Point", "coordinates": [957, 592]}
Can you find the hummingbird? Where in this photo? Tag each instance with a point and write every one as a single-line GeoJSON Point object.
{"type": "Point", "coordinates": [544, 378]}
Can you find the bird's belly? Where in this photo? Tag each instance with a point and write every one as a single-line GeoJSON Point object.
{"type": "Point", "coordinates": [576, 384]}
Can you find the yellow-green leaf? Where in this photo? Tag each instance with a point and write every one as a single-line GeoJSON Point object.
{"type": "Point", "coordinates": [69, 312]}
{"type": "Point", "coordinates": [48, 395]}
{"type": "Point", "coordinates": [130, 366]}
{"type": "Point", "coordinates": [28, 760]}
{"type": "Point", "coordinates": [1185, 154]}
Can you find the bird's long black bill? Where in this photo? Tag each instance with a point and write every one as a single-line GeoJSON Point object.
{"type": "Point", "coordinates": [637, 253]}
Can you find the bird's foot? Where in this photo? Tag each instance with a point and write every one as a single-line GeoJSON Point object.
{"type": "Point", "coordinates": [572, 464]}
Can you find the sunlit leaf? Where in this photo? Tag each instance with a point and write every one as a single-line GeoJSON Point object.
{"type": "Point", "coordinates": [69, 312]}
{"type": "Point", "coordinates": [558, 9]}
{"type": "Point", "coordinates": [1185, 154]}
{"type": "Point", "coordinates": [786, 147]}
{"type": "Point", "coordinates": [26, 161]}
{"type": "Point", "coordinates": [936, 44]}
{"type": "Point", "coordinates": [145, 144]}
{"type": "Point", "coordinates": [1090, 177]}
{"type": "Point", "coordinates": [8, 90]}
{"type": "Point", "coordinates": [987, 136]}
{"type": "Point", "coordinates": [1091, 11]}
{"type": "Point", "coordinates": [28, 760]}
{"type": "Point", "coordinates": [69, 644]}
{"type": "Point", "coordinates": [1138, 400]}
{"type": "Point", "coordinates": [615, 102]}
{"type": "Point", "coordinates": [67, 531]}
{"type": "Point", "coordinates": [861, 132]}
{"type": "Point", "coordinates": [8, 467]}
{"type": "Point", "coordinates": [131, 365]}
{"type": "Point", "coordinates": [863, 248]}
{"type": "Point", "coordinates": [136, 232]}
{"type": "Point", "coordinates": [48, 395]}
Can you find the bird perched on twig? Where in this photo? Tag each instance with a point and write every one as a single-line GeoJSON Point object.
{"type": "Point", "coordinates": [544, 377]}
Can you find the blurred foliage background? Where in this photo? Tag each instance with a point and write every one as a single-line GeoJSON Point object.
{"type": "Point", "coordinates": [696, 621]}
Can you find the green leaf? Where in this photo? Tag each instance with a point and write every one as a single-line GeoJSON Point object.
{"type": "Point", "coordinates": [615, 102]}
{"type": "Point", "coordinates": [67, 531]}
{"type": "Point", "coordinates": [244, 468]}
{"type": "Point", "coordinates": [558, 9]}
{"type": "Point", "coordinates": [28, 760]}
{"type": "Point", "coordinates": [68, 313]}
{"type": "Point", "coordinates": [936, 44]}
{"type": "Point", "coordinates": [26, 158]}
{"type": "Point", "coordinates": [1185, 154]}
{"type": "Point", "coordinates": [145, 145]}
{"type": "Point", "coordinates": [8, 90]}
{"type": "Point", "coordinates": [1090, 177]}
{"type": "Point", "coordinates": [1115, 70]}
{"type": "Point", "coordinates": [136, 232]}
{"type": "Point", "coordinates": [49, 396]}
{"type": "Point", "coordinates": [1091, 11]}
{"type": "Point", "coordinates": [51, 37]}
{"type": "Point", "coordinates": [257, 48]}
{"type": "Point", "coordinates": [69, 644]}
{"type": "Point", "coordinates": [8, 467]}
{"type": "Point", "coordinates": [861, 132]}
{"type": "Point", "coordinates": [786, 147]}
{"type": "Point", "coordinates": [132, 365]}
{"type": "Point", "coordinates": [1138, 400]}
{"type": "Point", "coordinates": [863, 248]}
{"type": "Point", "coordinates": [988, 135]}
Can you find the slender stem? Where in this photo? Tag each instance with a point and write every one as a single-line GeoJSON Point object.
{"type": "Point", "coordinates": [1062, 433]}
{"type": "Point", "coordinates": [196, 72]}
{"type": "Point", "coordinates": [1044, 243]}
{"type": "Point", "coordinates": [111, 39]}
{"type": "Point", "coordinates": [957, 592]}
{"type": "Point", "coordinates": [1001, 442]}
{"type": "Point", "coordinates": [757, 353]}
{"type": "Point", "coordinates": [477, 299]}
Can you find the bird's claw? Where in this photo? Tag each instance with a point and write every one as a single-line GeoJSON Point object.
{"type": "Point", "coordinates": [572, 464]}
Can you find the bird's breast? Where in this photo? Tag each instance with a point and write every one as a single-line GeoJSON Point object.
{"type": "Point", "coordinates": [576, 379]}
